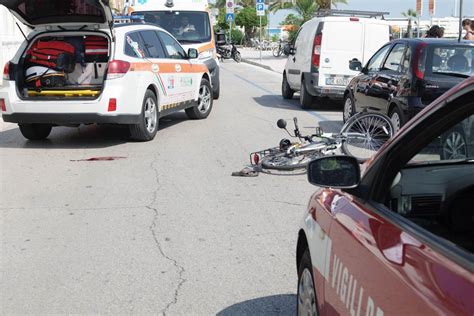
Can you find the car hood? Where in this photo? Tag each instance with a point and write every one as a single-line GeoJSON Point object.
{"type": "Point", "coordinates": [37, 13]}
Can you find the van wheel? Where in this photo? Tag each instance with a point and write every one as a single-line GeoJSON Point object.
{"type": "Point", "coordinates": [396, 118]}
{"type": "Point", "coordinates": [307, 303]}
{"type": "Point", "coordinates": [348, 108]}
{"type": "Point", "coordinates": [286, 90]}
{"type": "Point", "coordinates": [204, 103]}
{"type": "Point", "coordinates": [306, 99]}
{"type": "Point", "coordinates": [216, 90]}
{"type": "Point", "coordinates": [35, 131]}
{"type": "Point", "coordinates": [146, 129]}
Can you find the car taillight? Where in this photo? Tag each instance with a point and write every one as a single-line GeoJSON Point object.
{"type": "Point", "coordinates": [420, 61]}
{"type": "Point", "coordinates": [117, 69]}
{"type": "Point", "coordinates": [3, 106]}
{"type": "Point", "coordinates": [317, 50]}
{"type": "Point", "coordinates": [6, 71]}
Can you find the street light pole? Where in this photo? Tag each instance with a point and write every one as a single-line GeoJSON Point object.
{"type": "Point", "coordinates": [460, 20]}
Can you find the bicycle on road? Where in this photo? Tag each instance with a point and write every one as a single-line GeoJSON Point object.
{"type": "Point", "coordinates": [361, 136]}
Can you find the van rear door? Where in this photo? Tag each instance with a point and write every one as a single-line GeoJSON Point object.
{"type": "Point", "coordinates": [377, 34]}
{"type": "Point", "coordinates": [342, 40]}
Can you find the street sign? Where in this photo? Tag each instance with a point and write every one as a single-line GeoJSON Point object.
{"type": "Point", "coordinates": [260, 7]}
{"type": "Point", "coordinates": [229, 17]}
{"type": "Point", "coordinates": [229, 6]}
{"type": "Point", "coordinates": [260, 1]}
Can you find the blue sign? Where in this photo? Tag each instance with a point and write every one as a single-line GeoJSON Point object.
{"type": "Point", "coordinates": [260, 7]}
{"type": "Point", "coordinates": [229, 17]}
{"type": "Point", "coordinates": [260, 1]}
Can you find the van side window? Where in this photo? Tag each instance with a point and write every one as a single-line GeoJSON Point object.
{"type": "Point", "coordinates": [152, 45]}
{"type": "Point", "coordinates": [375, 62]}
{"type": "Point", "coordinates": [175, 51]}
{"type": "Point", "coordinates": [394, 59]}
{"type": "Point", "coordinates": [134, 46]}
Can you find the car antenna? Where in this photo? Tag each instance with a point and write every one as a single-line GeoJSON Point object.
{"type": "Point", "coordinates": [26, 38]}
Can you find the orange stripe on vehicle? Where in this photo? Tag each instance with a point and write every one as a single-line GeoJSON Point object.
{"type": "Point", "coordinates": [168, 67]}
{"type": "Point", "coordinates": [206, 47]}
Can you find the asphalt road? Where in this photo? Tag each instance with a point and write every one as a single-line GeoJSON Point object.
{"type": "Point", "coordinates": [165, 229]}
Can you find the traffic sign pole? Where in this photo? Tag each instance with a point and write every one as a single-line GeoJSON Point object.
{"type": "Point", "coordinates": [261, 39]}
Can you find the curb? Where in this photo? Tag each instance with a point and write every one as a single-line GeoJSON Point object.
{"type": "Point", "coordinates": [258, 65]}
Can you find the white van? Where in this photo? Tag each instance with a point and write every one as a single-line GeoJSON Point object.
{"type": "Point", "coordinates": [318, 64]}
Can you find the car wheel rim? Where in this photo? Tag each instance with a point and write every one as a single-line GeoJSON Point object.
{"type": "Point", "coordinates": [454, 146]}
{"type": "Point", "coordinates": [306, 295]}
{"type": "Point", "coordinates": [204, 101]}
{"type": "Point", "coordinates": [347, 109]}
{"type": "Point", "coordinates": [395, 118]}
{"type": "Point", "coordinates": [150, 115]}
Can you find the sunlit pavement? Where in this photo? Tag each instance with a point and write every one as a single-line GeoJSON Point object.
{"type": "Point", "coordinates": [165, 228]}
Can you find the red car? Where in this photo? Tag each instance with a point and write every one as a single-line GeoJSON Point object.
{"type": "Point", "coordinates": [395, 236]}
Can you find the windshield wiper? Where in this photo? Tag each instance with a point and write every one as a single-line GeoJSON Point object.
{"type": "Point", "coordinates": [452, 74]}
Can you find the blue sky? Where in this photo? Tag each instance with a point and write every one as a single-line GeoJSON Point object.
{"type": "Point", "coordinates": [444, 8]}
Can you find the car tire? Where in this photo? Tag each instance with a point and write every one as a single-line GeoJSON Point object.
{"type": "Point", "coordinates": [146, 129]}
{"type": "Point", "coordinates": [204, 103]}
{"type": "Point", "coordinates": [306, 300]}
{"type": "Point", "coordinates": [306, 99]}
{"type": "Point", "coordinates": [396, 118]}
{"type": "Point", "coordinates": [286, 90]}
{"type": "Point", "coordinates": [216, 90]}
{"type": "Point", "coordinates": [454, 145]}
{"type": "Point", "coordinates": [349, 108]}
{"type": "Point", "coordinates": [35, 131]}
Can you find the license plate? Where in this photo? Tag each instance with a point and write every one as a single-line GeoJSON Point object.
{"type": "Point", "coordinates": [337, 81]}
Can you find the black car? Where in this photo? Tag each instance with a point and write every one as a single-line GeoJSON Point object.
{"type": "Point", "coordinates": [406, 75]}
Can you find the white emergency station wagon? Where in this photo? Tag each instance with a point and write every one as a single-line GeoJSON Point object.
{"type": "Point", "coordinates": [318, 64]}
{"type": "Point", "coordinates": [75, 68]}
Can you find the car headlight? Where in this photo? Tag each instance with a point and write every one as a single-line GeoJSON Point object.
{"type": "Point", "coordinates": [205, 54]}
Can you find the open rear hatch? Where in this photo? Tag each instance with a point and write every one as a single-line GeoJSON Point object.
{"type": "Point", "coordinates": [64, 66]}
{"type": "Point", "coordinates": [36, 13]}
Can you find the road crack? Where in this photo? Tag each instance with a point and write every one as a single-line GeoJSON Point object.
{"type": "Point", "coordinates": [153, 229]}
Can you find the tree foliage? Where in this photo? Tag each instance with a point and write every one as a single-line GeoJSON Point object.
{"type": "Point", "coordinates": [319, 4]}
{"type": "Point", "coordinates": [247, 18]}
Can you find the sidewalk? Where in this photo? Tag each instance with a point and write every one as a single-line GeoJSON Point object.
{"type": "Point", "coordinates": [268, 61]}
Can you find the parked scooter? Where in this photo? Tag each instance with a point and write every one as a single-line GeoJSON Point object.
{"type": "Point", "coordinates": [229, 51]}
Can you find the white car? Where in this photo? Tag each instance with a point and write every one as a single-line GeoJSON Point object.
{"type": "Point", "coordinates": [75, 68]}
{"type": "Point", "coordinates": [318, 64]}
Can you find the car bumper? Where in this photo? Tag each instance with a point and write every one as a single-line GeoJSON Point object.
{"type": "Point", "coordinates": [72, 111]}
{"type": "Point", "coordinates": [313, 87]}
{"type": "Point", "coordinates": [68, 118]}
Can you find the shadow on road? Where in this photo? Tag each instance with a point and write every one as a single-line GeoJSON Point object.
{"type": "Point", "coordinates": [84, 136]}
{"type": "Point", "coordinates": [283, 304]}
{"type": "Point", "coordinates": [320, 105]}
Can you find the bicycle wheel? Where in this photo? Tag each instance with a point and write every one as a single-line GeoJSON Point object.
{"type": "Point", "coordinates": [288, 162]}
{"type": "Point", "coordinates": [365, 133]}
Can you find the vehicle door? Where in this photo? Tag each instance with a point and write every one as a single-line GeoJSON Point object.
{"type": "Point", "coordinates": [181, 76]}
{"type": "Point", "coordinates": [365, 80]}
{"type": "Point", "coordinates": [382, 261]}
{"type": "Point", "coordinates": [294, 61]}
{"type": "Point", "coordinates": [134, 47]}
{"type": "Point", "coordinates": [153, 54]}
{"type": "Point", "coordinates": [385, 85]}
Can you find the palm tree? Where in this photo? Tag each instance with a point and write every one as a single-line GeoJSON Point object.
{"type": "Point", "coordinates": [305, 9]}
{"type": "Point", "coordinates": [319, 4]}
{"type": "Point", "coordinates": [409, 14]}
